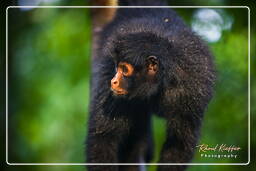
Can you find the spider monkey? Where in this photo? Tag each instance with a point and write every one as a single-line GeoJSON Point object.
{"type": "Point", "coordinates": [146, 61]}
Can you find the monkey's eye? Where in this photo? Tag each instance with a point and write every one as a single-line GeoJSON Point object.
{"type": "Point", "coordinates": [126, 69]}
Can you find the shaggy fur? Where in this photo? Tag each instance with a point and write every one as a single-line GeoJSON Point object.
{"type": "Point", "coordinates": [120, 127]}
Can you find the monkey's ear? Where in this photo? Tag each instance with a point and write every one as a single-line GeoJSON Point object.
{"type": "Point", "coordinates": [152, 65]}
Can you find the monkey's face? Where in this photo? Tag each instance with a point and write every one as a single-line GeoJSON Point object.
{"type": "Point", "coordinates": [131, 82]}
{"type": "Point", "coordinates": [119, 84]}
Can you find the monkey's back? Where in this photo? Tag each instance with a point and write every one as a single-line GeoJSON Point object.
{"type": "Point", "coordinates": [163, 22]}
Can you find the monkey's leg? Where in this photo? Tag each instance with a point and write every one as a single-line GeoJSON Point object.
{"type": "Point", "coordinates": [182, 135]}
{"type": "Point", "coordinates": [137, 148]}
{"type": "Point", "coordinates": [103, 141]}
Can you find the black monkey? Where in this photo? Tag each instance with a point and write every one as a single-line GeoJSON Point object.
{"type": "Point", "coordinates": [147, 61]}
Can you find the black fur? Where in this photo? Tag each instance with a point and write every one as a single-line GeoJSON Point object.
{"type": "Point", "coordinates": [120, 127]}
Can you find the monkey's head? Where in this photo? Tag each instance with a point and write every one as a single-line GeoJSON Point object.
{"type": "Point", "coordinates": [137, 68]}
{"type": "Point", "coordinates": [131, 81]}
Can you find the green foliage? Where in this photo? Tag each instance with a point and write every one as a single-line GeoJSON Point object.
{"type": "Point", "coordinates": [52, 63]}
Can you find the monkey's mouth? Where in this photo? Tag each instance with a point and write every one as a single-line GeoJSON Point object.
{"type": "Point", "coordinates": [119, 92]}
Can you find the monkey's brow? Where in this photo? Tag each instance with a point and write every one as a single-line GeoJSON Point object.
{"type": "Point", "coordinates": [126, 61]}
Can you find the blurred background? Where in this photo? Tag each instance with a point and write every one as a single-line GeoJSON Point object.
{"type": "Point", "coordinates": [49, 57]}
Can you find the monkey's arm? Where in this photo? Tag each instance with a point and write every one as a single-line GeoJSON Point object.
{"type": "Point", "coordinates": [100, 18]}
{"type": "Point", "coordinates": [101, 150]}
{"type": "Point", "coordinates": [104, 136]}
{"type": "Point", "coordinates": [103, 139]}
{"type": "Point", "coordinates": [183, 126]}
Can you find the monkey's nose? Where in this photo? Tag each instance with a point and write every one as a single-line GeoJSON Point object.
{"type": "Point", "coordinates": [114, 82]}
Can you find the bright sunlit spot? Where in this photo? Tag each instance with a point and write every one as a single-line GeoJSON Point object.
{"type": "Point", "coordinates": [34, 3]}
{"type": "Point", "coordinates": [210, 23]}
